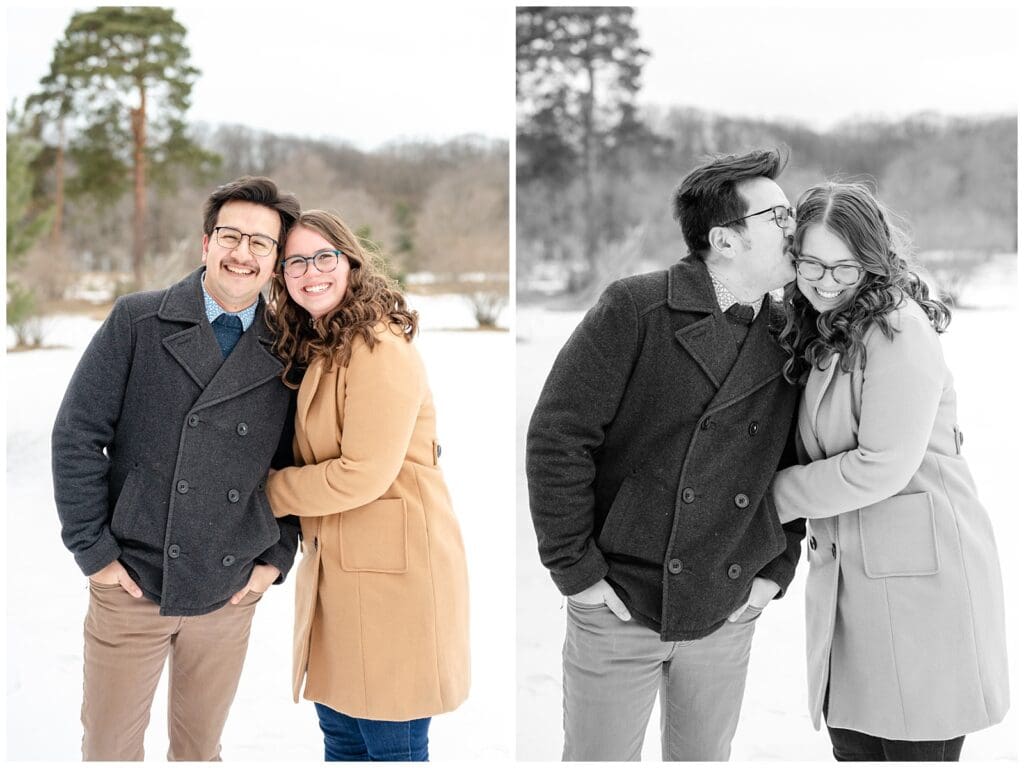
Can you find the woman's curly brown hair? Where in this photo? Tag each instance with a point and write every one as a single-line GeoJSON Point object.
{"type": "Point", "coordinates": [371, 298]}
{"type": "Point", "coordinates": [852, 213]}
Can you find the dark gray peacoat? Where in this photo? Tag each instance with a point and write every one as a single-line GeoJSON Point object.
{"type": "Point", "coordinates": [648, 458]}
{"type": "Point", "coordinates": [161, 449]}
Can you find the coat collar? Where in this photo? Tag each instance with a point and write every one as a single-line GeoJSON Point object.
{"type": "Point", "coordinates": [196, 350]}
{"type": "Point", "coordinates": [183, 303]}
{"type": "Point", "coordinates": [708, 339]}
{"type": "Point", "coordinates": [690, 288]}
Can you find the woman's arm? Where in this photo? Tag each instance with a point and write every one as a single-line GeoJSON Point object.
{"type": "Point", "coordinates": [903, 382]}
{"type": "Point", "coordinates": [384, 389]}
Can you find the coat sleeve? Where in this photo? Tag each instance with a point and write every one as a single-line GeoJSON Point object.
{"type": "Point", "coordinates": [579, 400]}
{"type": "Point", "coordinates": [282, 554]}
{"type": "Point", "coordinates": [384, 389]}
{"type": "Point", "coordinates": [903, 383]}
{"type": "Point", "coordinates": [83, 430]}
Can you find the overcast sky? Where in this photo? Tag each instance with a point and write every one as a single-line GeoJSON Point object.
{"type": "Point", "coordinates": [366, 72]}
{"type": "Point", "coordinates": [372, 72]}
{"type": "Point", "coordinates": [821, 65]}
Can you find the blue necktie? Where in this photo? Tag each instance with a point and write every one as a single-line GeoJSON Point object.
{"type": "Point", "coordinates": [228, 330]}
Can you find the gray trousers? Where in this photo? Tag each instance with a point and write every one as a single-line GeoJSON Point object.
{"type": "Point", "coordinates": [612, 671]}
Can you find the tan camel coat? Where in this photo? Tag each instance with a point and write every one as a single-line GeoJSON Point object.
{"type": "Point", "coordinates": [904, 597]}
{"type": "Point", "coordinates": [381, 595]}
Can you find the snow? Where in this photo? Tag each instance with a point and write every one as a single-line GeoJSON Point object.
{"type": "Point", "coordinates": [774, 723]}
{"type": "Point", "coordinates": [471, 377]}
{"type": "Point", "coordinates": [514, 707]}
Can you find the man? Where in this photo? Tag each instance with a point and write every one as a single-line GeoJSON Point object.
{"type": "Point", "coordinates": [649, 456]}
{"type": "Point", "coordinates": [160, 454]}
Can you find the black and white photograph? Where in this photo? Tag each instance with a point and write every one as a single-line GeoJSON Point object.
{"type": "Point", "coordinates": [258, 330]}
{"type": "Point", "coordinates": [766, 412]}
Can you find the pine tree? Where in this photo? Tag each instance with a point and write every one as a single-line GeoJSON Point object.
{"type": "Point", "coordinates": [129, 70]}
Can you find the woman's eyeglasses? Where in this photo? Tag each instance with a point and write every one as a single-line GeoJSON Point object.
{"type": "Point", "coordinates": [844, 274]}
{"type": "Point", "coordinates": [325, 261]}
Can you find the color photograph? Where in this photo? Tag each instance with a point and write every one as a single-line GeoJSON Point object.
{"type": "Point", "coordinates": [259, 361]}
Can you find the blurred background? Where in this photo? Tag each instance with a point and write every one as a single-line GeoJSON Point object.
{"type": "Point", "coordinates": [616, 104]}
{"type": "Point", "coordinates": [120, 123]}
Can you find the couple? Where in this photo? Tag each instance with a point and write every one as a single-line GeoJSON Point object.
{"type": "Point", "coordinates": [162, 448]}
{"type": "Point", "coordinates": [669, 488]}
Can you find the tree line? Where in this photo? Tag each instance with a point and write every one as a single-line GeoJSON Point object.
{"type": "Point", "coordinates": [595, 169]}
{"type": "Point", "coordinates": [106, 172]}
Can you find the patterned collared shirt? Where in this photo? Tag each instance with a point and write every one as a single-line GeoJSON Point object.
{"type": "Point", "coordinates": [726, 298]}
{"type": "Point", "coordinates": [215, 310]}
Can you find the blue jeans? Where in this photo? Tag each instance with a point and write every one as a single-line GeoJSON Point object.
{"type": "Point", "coordinates": [348, 739]}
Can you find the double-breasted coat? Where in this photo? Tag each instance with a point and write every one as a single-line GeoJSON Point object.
{"type": "Point", "coordinates": [161, 448]}
{"type": "Point", "coordinates": [381, 594]}
{"type": "Point", "coordinates": [651, 449]}
{"type": "Point", "coordinates": [905, 620]}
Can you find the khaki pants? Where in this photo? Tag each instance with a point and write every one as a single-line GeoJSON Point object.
{"type": "Point", "coordinates": [612, 671]}
{"type": "Point", "coordinates": [126, 644]}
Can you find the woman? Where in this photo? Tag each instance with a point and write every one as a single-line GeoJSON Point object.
{"type": "Point", "coordinates": [381, 632]}
{"type": "Point", "coordinates": [906, 645]}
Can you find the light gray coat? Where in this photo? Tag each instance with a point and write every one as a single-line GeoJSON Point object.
{"type": "Point", "coordinates": [904, 596]}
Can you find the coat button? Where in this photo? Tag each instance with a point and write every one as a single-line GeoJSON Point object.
{"type": "Point", "coordinates": [173, 551]}
{"type": "Point", "coordinates": [706, 424]}
{"type": "Point", "coordinates": [833, 550]}
{"type": "Point", "coordinates": [439, 450]}
{"type": "Point", "coordinates": [193, 420]}
{"type": "Point", "coordinates": [741, 501]}
{"type": "Point", "coordinates": [752, 429]}
{"type": "Point", "coordinates": [812, 543]}
{"type": "Point", "coordinates": [242, 428]}
{"type": "Point", "coordinates": [234, 495]}
{"type": "Point", "coordinates": [675, 566]}
{"type": "Point", "coordinates": [182, 486]}
{"type": "Point", "coordinates": [735, 571]}
{"type": "Point", "coordinates": [689, 495]}
{"type": "Point", "coordinates": [228, 560]}
{"type": "Point", "coordinates": [261, 485]}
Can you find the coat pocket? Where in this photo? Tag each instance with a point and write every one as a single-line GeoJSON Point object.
{"type": "Point", "coordinates": [898, 538]}
{"type": "Point", "coordinates": [639, 522]}
{"type": "Point", "coordinates": [374, 537]}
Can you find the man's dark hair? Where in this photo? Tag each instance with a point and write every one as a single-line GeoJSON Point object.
{"type": "Point", "coordinates": [253, 189]}
{"type": "Point", "coordinates": [707, 197]}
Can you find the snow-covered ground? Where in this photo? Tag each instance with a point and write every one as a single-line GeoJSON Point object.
{"type": "Point", "coordinates": [472, 377]}
{"type": "Point", "coordinates": [982, 350]}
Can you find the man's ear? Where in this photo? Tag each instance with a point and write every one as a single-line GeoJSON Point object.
{"type": "Point", "coordinates": [206, 245]}
{"type": "Point", "coordinates": [721, 241]}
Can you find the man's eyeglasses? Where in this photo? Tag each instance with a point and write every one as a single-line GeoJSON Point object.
{"type": "Point", "coordinates": [230, 238]}
{"type": "Point", "coordinates": [782, 214]}
{"type": "Point", "coordinates": [844, 274]}
{"type": "Point", "coordinates": [325, 261]}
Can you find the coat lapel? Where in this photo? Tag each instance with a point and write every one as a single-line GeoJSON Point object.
{"type": "Point", "coordinates": [307, 393]}
{"type": "Point", "coordinates": [195, 347]}
{"type": "Point", "coordinates": [760, 360]}
{"type": "Point", "coordinates": [705, 340]}
{"type": "Point", "coordinates": [709, 341]}
{"type": "Point", "coordinates": [808, 428]}
{"type": "Point", "coordinates": [250, 365]}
